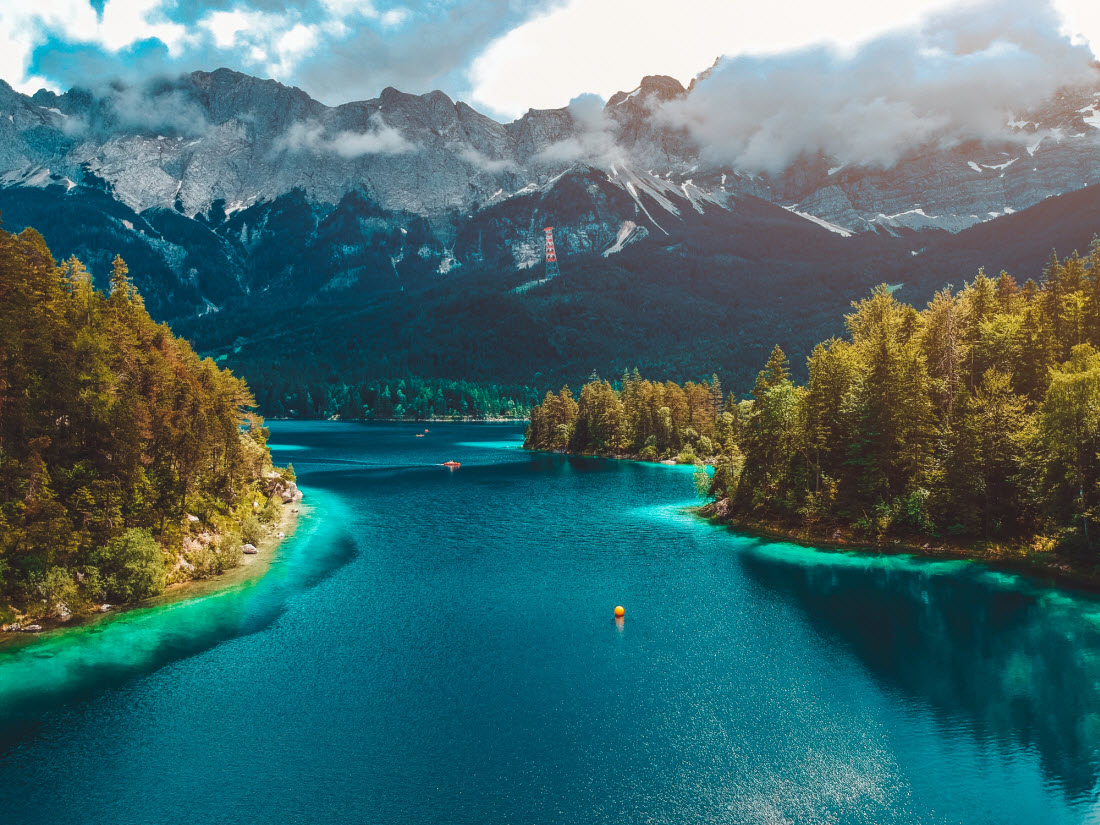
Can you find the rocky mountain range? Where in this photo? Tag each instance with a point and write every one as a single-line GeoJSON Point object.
{"type": "Point", "coordinates": [226, 136]}
{"type": "Point", "coordinates": [227, 193]}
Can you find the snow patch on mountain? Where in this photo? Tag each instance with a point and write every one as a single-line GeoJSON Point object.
{"type": "Point", "coordinates": [918, 219]}
{"type": "Point", "coordinates": [824, 224]}
{"type": "Point", "coordinates": [628, 233]}
{"type": "Point", "coordinates": [634, 193]}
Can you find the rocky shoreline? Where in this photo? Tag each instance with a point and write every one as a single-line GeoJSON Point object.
{"type": "Point", "coordinates": [182, 572]}
{"type": "Point", "coordinates": [1038, 559]}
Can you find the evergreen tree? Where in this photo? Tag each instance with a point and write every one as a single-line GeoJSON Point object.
{"type": "Point", "coordinates": [979, 416]}
{"type": "Point", "coordinates": [108, 424]}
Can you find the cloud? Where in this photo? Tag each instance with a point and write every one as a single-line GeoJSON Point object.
{"type": "Point", "coordinates": [337, 50]}
{"type": "Point", "coordinates": [274, 42]}
{"type": "Point", "coordinates": [417, 49]}
{"type": "Point", "coordinates": [311, 136]}
{"type": "Point", "coordinates": [490, 166]}
{"type": "Point", "coordinates": [595, 140]}
{"type": "Point", "coordinates": [504, 55]}
{"type": "Point", "coordinates": [157, 107]}
{"type": "Point", "coordinates": [604, 46]}
{"type": "Point", "coordinates": [161, 106]}
{"type": "Point", "coordinates": [229, 27]}
{"type": "Point", "coordinates": [958, 77]}
{"type": "Point", "coordinates": [120, 24]}
{"type": "Point", "coordinates": [394, 17]}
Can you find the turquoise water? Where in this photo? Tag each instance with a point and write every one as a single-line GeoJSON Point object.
{"type": "Point", "coordinates": [438, 646]}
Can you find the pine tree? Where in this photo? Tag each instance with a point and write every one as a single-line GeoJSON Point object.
{"type": "Point", "coordinates": [775, 372]}
{"type": "Point", "coordinates": [120, 280]}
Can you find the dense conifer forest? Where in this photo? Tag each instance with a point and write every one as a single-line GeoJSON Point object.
{"type": "Point", "coordinates": [978, 417]}
{"type": "Point", "coordinates": [126, 461]}
{"type": "Point", "coordinates": [473, 346]}
{"type": "Point", "coordinates": [315, 390]}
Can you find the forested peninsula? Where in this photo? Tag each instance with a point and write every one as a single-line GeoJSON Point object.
{"type": "Point", "coordinates": [970, 427]}
{"type": "Point", "coordinates": [127, 463]}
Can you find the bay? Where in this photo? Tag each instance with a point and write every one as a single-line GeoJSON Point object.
{"type": "Point", "coordinates": [436, 645]}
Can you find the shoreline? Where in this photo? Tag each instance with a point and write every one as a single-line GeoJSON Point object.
{"type": "Point", "coordinates": [1018, 557]}
{"type": "Point", "coordinates": [1015, 556]}
{"type": "Point", "coordinates": [468, 419]}
{"type": "Point", "coordinates": [251, 567]}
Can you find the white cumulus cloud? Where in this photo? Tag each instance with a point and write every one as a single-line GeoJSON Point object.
{"type": "Point", "coordinates": [310, 136]}
{"type": "Point", "coordinates": [122, 23]}
{"type": "Point", "coordinates": [959, 77]}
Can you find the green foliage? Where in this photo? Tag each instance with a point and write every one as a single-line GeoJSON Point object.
{"type": "Point", "coordinates": [131, 566]}
{"type": "Point", "coordinates": [271, 510]}
{"type": "Point", "coordinates": [215, 558]}
{"type": "Point", "coordinates": [643, 418]}
{"type": "Point", "coordinates": [111, 429]}
{"type": "Point", "coordinates": [702, 481]}
{"type": "Point", "coordinates": [302, 393]}
{"type": "Point", "coordinates": [252, 532]}
{"type": "Point", "coordinates": [58, 587]}
{"type": "Point", "coordinates": [978, 416]}
{"type": "Point", "coordinates": [686, 456]}
{"type": "Point", "coordinates": [553, 424]}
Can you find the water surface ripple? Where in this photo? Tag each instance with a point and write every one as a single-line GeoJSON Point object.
{"type": "Point", "coordinates": [438, 646]}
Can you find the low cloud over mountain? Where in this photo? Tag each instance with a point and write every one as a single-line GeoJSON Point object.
{"type": "Point", "coordinates": [960, 77]}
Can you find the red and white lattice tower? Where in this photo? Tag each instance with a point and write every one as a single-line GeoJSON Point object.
{"type": "Point", "coordinates": [551, 255]}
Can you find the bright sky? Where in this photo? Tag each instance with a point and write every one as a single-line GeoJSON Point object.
{"type": "Point", "coordinates": [503, 56]}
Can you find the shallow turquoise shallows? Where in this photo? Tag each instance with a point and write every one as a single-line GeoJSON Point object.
{"type": "Point", "coordinates": [439, 646]}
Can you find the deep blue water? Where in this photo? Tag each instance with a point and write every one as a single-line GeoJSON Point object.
{"type": "Point", "coordinates": [438, 646]}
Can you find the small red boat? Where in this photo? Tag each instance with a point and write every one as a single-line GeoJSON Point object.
{"type": "Point", "coordinates": [451, 464]}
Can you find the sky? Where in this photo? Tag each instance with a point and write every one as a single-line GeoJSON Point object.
{"type": "Point", "coordinates": [502, 56]}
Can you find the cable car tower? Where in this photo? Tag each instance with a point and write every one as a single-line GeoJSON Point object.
{"type": "Point", "coordinates": [552, 270]}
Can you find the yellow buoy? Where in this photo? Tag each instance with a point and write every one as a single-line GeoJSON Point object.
{"type": "Point", "coordinates": [620, 611]}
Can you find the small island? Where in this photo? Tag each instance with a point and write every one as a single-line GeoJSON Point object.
{"type": "Point", "coordinates": [968, 429]}
{"type": "Point", "coordinates": [127, 463]}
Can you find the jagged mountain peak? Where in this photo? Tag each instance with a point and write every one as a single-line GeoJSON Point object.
{"type": "Point", "coordinates": [395, 97]}
{"type": "Point", "coordinates": [656, 87]}
{"type": "Point", "coordinates": [193, 139]}
{"type": "Point", "coordinates": [223, 80]}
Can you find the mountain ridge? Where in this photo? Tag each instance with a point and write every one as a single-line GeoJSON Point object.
{"type": "Point", "coordinates": [241, 202]}
{"type": "Point", "coordinates": [225, 135]}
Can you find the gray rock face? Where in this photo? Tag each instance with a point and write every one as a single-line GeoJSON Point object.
{"type": "Point", "coordinates": [198, 138]}
{"type": "Point", "coordinates": [363, 196]}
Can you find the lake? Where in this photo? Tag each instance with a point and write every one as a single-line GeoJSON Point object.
{"type": "Point", "coordinates": [439, 646]}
